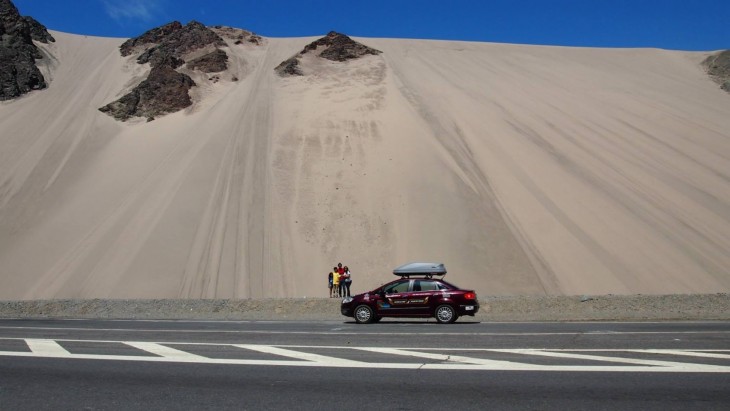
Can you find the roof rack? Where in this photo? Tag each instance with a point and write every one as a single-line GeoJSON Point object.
{"type": "Point", "coordinates": [427, 270]}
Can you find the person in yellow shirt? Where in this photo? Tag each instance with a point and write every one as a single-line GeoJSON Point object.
{"type": "Point", "coordinates": [336, 282]}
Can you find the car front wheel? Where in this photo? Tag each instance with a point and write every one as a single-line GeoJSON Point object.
{"type": "Point", "coordinates": [445, 314]}
{"type": "Point", "coordinates": [364, 314]}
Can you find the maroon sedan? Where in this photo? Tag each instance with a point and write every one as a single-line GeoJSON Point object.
{"type": "Point", "coordinates": [415, 295]}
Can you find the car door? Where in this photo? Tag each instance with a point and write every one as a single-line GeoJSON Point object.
{"type": "Point", "coordinates": [394, 298]}
{"type": "Point", "coordinates": [420, 299]}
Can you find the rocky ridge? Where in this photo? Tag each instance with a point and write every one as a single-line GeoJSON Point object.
{"type": "Point", "coordinates": [334, 46]}
{"type": "Point", "coordinates": [718, 67]}
{"type": "Point", "coordinates": [166, 48]}
{"type": "Point", "coordinates": [19, 73]}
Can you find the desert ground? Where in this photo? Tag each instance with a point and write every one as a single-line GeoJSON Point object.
{"type": "Point", "coordinates": [527, 170]}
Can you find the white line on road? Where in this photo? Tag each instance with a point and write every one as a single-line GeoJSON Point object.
{"type": "Point", "coordinates": [686, 353]}
{"type": "Point", "coordinates": [495, 364]}
{"type": "Point", "coordinates": [46, 348]}
{"type": "Point", "coordinates": [321, 359]}
{"type": "Point", "coordinates": [647, 362]}
{"type": "Point", "coordinates": [380, 365]}
{"type": "Point", "coordinates": [163, 353]}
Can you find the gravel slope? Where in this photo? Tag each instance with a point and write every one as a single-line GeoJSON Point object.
{"type": "Point", "coordinates": [513, 308]}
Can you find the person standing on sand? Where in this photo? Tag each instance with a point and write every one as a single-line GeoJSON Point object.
{"type": "Point", "coordinates": [347, 280]}
{"type": "Point", "coordinates": [336, 281]}
{"type": "Point", "coordinates": [329, 282]}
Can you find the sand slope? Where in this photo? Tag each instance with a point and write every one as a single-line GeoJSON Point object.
{"type": "Point", "coordinates": [527, 170]}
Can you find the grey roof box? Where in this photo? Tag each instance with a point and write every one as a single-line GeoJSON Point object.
{"type": "Point", "coordinates": [427, 269]}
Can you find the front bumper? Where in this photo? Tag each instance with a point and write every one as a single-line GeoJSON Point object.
{"type": "Point", "coordinates": [347, 309]}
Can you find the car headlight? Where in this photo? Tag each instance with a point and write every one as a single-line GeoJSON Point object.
{"type": "Point", "coordinates": [346, 300]}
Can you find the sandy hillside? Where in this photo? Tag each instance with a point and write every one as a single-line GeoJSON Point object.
{"type": "Point", "coordinates": [525, 169]}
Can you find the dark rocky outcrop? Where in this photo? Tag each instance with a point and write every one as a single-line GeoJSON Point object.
{"type": "Point", "coordinates": [213, 62]}
{"type": "Point", "coordinates": [153, 36]}
{"type": "Point", "coordinates": [191, 37]}
{"type": "Point", "coordinates": [164, 91]}
{"type": "Point", "coordinates": [172, 39]}
{"type": "Point", "coordinates": [334, 46]}
{"type": "Point", "coordinates": [19, 73]}
{"type": "Point", "coordinates": [289, 67]}
{"type": "Point", "coordinates": [718, 67]}
{"type": "Point", "coordinates": [166, 48]}
{"type": "Point", "coordinates": [339, 47]}
{"type": "Point", "coordinates": [38, 31]}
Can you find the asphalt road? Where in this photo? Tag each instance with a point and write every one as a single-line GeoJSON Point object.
{"type": "Point", "coordinates": [92, 364]}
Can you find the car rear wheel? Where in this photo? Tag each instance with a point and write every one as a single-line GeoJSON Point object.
{"type": "Point", "coordinates": [364, 314]}
{"type": "Point", "coordinates": [445, 314]}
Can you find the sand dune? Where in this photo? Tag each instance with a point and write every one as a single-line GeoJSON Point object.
{"type": "Point", "coordinates": [525, 169]}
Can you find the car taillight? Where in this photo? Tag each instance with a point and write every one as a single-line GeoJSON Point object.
{"type": "Point", "coordinates": [470, 296]}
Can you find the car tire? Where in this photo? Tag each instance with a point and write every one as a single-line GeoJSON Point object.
{"type": "Point", "coordinates": [364, 314]}
{"type": "Point", "coordinates": [445, 314]}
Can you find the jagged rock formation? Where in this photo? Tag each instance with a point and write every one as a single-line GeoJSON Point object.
{"type": "Point", "coordinates": [179, 42]}
{"type": "Point", "coordinates": [718, 67]}
{"type": "Point", "coordinates": [166, 48]}
{"type": "Point", "coordinates": [38, 31]}
{"type": "Point", "coordinates": [164, 91]}
{"type": "Point", "coordinates": [289, 67]}
{"type": "Point", "coordinates": [334, 46]}
{"type": "Point", "coordinates": [339, 47]}
{"type": "Point", "coordinates": [153, 36]}
{"type": "Point", "coordinates": [18, 71]}
{"type": "Point", "coordinates": [212, 62]}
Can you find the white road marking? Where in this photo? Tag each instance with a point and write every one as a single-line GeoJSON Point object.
{"type": "Point", "coordinates": [46, 348]}
{"type": "Point", "coordinates": [496, 364]}
{"type": "Point", "coordinates": [320, 359]}
{"type": "Point", "coordinates": [686, 353]}
{"type": "Point", "coordinates": [548, 353]}
{"type": "Point", "coordinates": [164, 351]}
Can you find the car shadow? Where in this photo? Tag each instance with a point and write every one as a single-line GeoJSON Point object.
{"type": "Point", "coordinates": [384, 321]}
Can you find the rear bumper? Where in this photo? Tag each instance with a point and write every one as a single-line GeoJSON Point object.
{"type": "Point", "coordinates": [469, 309]}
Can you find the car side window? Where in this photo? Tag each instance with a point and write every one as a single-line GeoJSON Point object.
{"type": "Point", "coordinates": [399, 287]}
{"type": "Point", "coordinates": [442, 286]}
{"type": "Point", "coordinates": [425, 285]}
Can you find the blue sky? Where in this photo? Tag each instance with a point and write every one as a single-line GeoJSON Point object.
{"type": "Point", "coordinates": [670, 24]}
